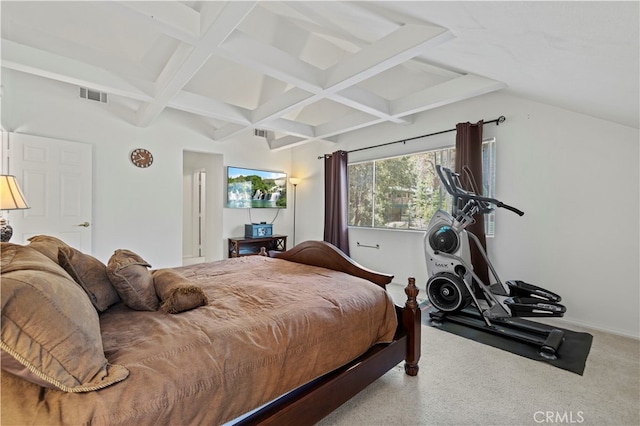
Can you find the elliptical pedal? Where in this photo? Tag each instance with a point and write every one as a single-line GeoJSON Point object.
{"type": "Point", "coordinates": [522, 289]}
{"type": "Point", "coordinates": [534, 307]}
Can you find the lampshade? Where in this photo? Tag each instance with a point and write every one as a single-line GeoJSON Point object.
{"type": "Point", "coordinates": [294, 180]}
{"type": "Point", "coordinates": [11, 197]}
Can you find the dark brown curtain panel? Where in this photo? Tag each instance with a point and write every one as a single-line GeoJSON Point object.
{"type": "Point", "coordinates": [336, 200]}
{"type": "Point", "coordinates": [469, 153]}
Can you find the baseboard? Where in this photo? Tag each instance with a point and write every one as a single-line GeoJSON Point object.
{"type": "Point", "coordinates": [569, 323]}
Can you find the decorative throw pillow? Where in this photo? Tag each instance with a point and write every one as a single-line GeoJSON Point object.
{"type": "Point", "coordinates": [47, 245]}
{"type": "Point", "coordinates": [177, 294]}
{"type": "Point", "coordinates": [132, 279]}
{"type": "Point", "coordinates": [50, 331]}
{"type": "Point", "coordinates": [91, 274]}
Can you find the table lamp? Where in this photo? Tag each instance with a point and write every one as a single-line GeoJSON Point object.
{"type": "Point", "coordinates": [11, 198]}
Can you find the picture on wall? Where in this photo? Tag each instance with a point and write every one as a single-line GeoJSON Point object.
{"type": "Point", "coordinates": [254, 188]}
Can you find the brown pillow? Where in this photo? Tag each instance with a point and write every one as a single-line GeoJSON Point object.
{"type": "Point", "coordinates": [49, 327]}
{"type": "Point", "coordinates": [47, 245]}
{"type": "Point", "coordinates": [132, 279]}
{"type": "Point", "coordinates": [91, 274]}
{"type": "Point", "coordinates": [176, 293]}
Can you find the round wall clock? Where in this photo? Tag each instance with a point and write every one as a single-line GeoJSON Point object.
{"type": "Point", "coordinates": [141, 157]}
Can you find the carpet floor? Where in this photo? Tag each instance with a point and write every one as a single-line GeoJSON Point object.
{"type": "Point", "coordinates": [463, 382]}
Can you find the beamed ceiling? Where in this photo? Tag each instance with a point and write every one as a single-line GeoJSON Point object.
{"type": "Point", "coordinates": [308, 70]}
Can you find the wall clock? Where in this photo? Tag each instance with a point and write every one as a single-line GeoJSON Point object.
{"type": "Point", "coordinates": [141, 157]}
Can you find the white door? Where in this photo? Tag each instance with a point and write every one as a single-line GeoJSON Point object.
{"type": "Point", "coordinates": [56, 179]}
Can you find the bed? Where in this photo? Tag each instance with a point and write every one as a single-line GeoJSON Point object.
{"type": "Point", "coordinates": [278, 339]}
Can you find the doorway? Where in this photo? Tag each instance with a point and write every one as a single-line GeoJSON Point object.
{"type": "Point", "coordinates": [202, 207]}
{"type": "Point", "coordinates": [194, 224]}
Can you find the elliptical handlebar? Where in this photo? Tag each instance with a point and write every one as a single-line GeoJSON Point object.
{"type": "Point", "coordinates": [452, 185]}
{"type": "Point", "coordinates": [510, 208]}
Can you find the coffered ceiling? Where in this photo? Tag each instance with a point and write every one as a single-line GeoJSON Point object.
{"type": "Point", "coordinates": [310, 70]}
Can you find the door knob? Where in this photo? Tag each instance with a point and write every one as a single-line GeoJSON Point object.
{"type": "Point", "coordinates": [84, 224]}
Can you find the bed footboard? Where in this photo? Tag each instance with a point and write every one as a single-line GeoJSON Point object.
{"type": "Point", "coordinates": [313, 401]}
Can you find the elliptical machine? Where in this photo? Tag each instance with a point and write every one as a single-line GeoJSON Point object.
{"type": "Point", "coordinates": [450, 286]}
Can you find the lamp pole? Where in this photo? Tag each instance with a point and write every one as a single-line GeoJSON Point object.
{"type": "Point", "coordinates": [295, 188]}
{"type": "Point", "coordinates": [294, 181]}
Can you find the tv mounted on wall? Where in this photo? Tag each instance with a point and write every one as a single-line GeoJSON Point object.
{"type": "Point", "coordinates": [253, 188]}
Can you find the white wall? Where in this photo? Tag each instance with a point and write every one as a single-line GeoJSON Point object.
{"type": "Point", "coordinates": [137, 209]}
{"type": "Point", "coordinates": [576, 178]}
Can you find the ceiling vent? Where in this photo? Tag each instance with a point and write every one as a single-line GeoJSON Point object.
{"type": "Point", "coordinates": [93, 95]}
{"type": "Point", "coordinates": [260, 133]}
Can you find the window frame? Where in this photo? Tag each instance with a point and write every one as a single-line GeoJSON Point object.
{"type": "Point", "coordinates": [488, 184]}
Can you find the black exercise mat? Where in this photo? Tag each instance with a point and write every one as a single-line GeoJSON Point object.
{"type": "Point", "coordinates": [571, 355]}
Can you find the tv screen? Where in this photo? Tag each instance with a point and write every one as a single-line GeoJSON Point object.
{"type": "Point", "coordinates": [252, 188]}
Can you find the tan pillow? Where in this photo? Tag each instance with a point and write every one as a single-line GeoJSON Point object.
{"type": "Point", "coordinates": [132, 279]}
{"type": "Point", "coordinates": [49, 327]}
{"type": "Point", "coordinates": [47, 245]}
{"type": "Point", "coordinates": [15, 257]}
{"type": "Point", "coordinates": [91, 274]}
{"type": "Point", "coordinates": [177, 294]}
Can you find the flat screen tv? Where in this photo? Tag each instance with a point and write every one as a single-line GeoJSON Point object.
{"type": "Point", "coordinates": [253, 188]}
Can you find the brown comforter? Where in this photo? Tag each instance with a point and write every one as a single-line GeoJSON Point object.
{"type": "Point", "coordinates": [270, 326]}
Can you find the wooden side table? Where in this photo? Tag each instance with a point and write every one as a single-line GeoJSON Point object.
{"type": "Point", "coordinates": [246, 246]}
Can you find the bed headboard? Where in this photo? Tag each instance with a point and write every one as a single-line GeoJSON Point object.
{"type": "Point", "coordinates": [326, 255]}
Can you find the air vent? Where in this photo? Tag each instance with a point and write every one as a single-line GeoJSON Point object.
{"type": "Point", "coordinates": [93, 95]}
{"type": "Point", "coordinates": [260, 133]}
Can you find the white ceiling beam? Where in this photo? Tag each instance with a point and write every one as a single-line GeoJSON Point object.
{"type": "Point", "coordinates": [406, 42]}
{"type": "Point", "coordinates": [281, 125]}
{"type": "Point", "coordinates": [208, 107]}
{"type": "Point", "coordinates": [287, 142]}
{"type": "Point", "coordinates": [275, 63]}
{"type": "Point", "coordinates": [420, 65]}
{"type": "Point", "coordinates": [270, 110]}
{"type": "Point", "coordinates": [173, 18]}
{"type": "Point", "coordinates": [177, 74]}
{"type": "Point", "coordinates": [346, 123]}
{"type": "Point", "coordinates": [269, 60]}
{"type": "Point", "coordinates": [209, 11]}
{"type": "Point", "coordinates": [321, 25]}
{"type": "Point", "coordinates": [446, 93]}
{"type": "Point", "coordinates": [366, 101]}
{"type": "Point", "coordinates": [49, 65]}
{"type": "Point", "coordinates": [401, 45]}
{"type": "Point", "coordinates": [455, 90]}
{"type": "Point", "coordinates": [293, 128]}
{"type": "Point", "coordinates": [229, 130]}
{"type": "Point", "coordinates": [290, 100]}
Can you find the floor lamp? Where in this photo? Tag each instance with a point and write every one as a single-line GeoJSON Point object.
{"type": "Point", "coordinates": [11, 198]}
{"type": "Point", "coordinates": [294, 181]}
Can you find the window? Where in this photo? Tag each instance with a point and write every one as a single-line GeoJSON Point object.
{"type": "Point", "coordinates": [404, 192]}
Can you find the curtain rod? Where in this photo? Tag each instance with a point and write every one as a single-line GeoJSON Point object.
{"type": "Point", "coordinates": [498, 120]}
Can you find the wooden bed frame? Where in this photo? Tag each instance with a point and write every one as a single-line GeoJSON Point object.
{"type": "Point", "coordinates": [311, 402]}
